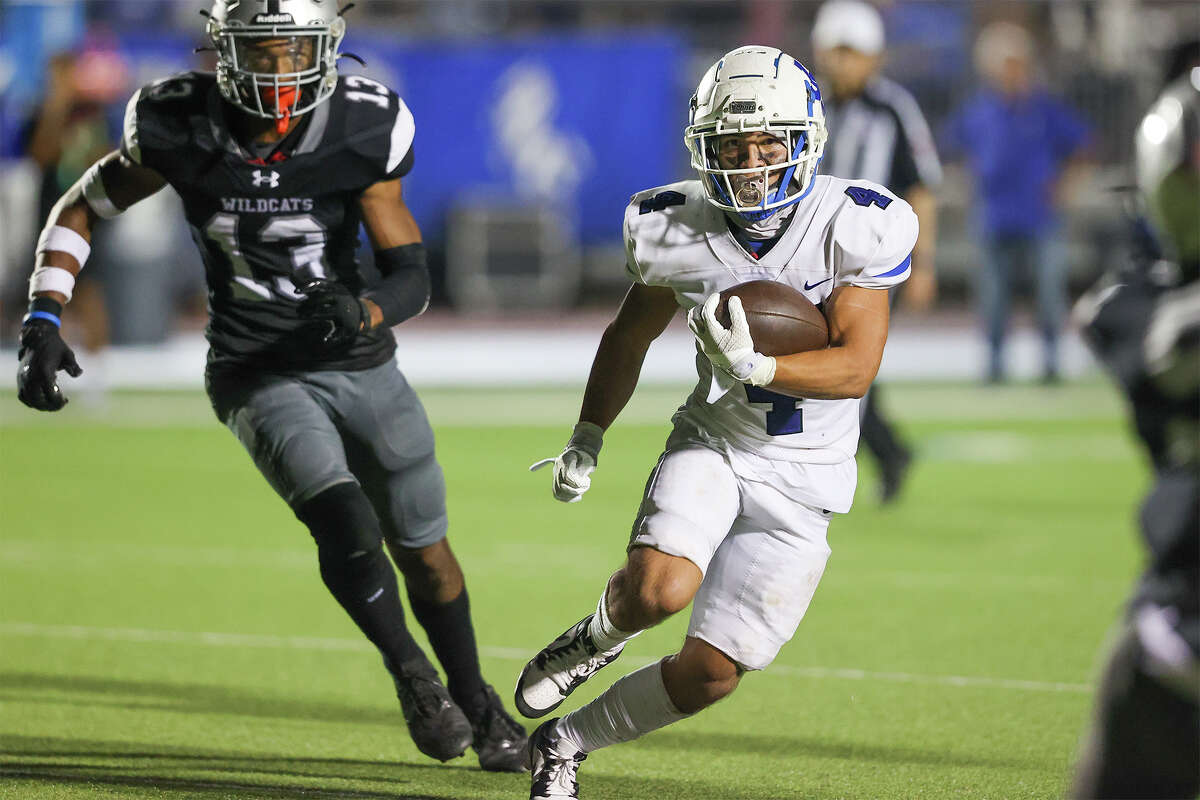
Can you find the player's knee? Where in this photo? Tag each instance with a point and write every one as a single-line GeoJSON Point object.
{"type": "Point", "coordinates": [651, 587]}
{"type": "Point", "coordinates": [341, 521]}
{"type": "Point", "coordinates": [664, 596]}
{"type": "Point", "coordinates": [695, 681]}
{"type": "Point", "coordinates": [431, 573]}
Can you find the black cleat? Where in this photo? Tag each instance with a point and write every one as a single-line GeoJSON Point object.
{"type": "Point", "coordinates": [553, 763]}
{"type": "Point", "coordinates": [561, 668]}
{"type": "Point", "coordinates": [438, 727]}
{"type": "Point", "coordinates": [499, 740]}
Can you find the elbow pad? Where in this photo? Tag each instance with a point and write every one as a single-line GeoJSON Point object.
{"type": "Point", "coordinates": [404, 291]}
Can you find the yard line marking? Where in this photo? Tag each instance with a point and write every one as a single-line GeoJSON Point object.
{"type": "Point", "coordinates": [507, 653]}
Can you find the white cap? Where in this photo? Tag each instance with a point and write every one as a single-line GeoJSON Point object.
{"type": "Point", "coordinates": [849, 23]}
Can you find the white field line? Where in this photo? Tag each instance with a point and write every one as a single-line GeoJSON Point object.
{"type": "Point", "coordinates": [210, 639]}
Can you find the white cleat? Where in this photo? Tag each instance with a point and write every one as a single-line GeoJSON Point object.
{"type": "Point", "coordinates": [553, 763]}
{"type": "Point", "coordinates": [560, 669]}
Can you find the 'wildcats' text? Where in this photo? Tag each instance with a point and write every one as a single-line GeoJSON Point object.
{"type": "Point", "coordinates": [266, 205]}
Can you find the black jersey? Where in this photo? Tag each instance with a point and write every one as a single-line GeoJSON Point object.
{"type": "Point", "coordinates": [267, 224]}
{"type": "Point", "coordinates": [1147, 333]}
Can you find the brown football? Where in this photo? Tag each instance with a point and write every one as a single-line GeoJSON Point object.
{"type": "Point", "coordinates": [782, 320]}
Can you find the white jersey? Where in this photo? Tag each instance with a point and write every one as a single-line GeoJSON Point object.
{"type": "Point", "coordinates": [844, 233]}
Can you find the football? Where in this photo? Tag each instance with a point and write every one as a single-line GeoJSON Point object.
{"type": "Point", "coordinates": [782, 320]}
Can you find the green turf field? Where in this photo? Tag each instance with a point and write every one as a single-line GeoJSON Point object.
{"type": "Point", "coordinates": [164, 633]}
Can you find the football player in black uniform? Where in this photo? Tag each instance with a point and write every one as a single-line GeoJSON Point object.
{"type": "Point", "coordinates": [1144, 325]}
{"type": "Point", "coordinates": [278, 161]}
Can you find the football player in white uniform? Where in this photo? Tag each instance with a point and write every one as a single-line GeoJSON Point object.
{"type": "Point", "coordinates": [735, 512]}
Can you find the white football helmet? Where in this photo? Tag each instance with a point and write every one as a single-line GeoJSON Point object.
{"type": "Point", "coordinates": [756, 88]}
{"type": "Point", "coordinates": [309, 33]}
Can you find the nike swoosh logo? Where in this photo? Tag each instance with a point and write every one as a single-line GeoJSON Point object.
{"type": "Point", "coordinates": [808, 285]}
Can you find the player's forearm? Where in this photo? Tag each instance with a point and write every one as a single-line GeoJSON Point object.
{"type": "Point", "coordinates": [58, 251]}
{"type": "Point", "coordinates": [614, 376]}
{"type": "Point", "coordinates": [110, 186]}
{"type": "Point", "coordinates": [832, 374]}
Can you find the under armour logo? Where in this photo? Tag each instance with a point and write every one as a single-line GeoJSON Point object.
{"type": "Point", "coordinates": [266, 179]}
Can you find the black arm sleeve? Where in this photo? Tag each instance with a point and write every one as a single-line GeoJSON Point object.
{"type": "Point", "coordinates": [404, 291]}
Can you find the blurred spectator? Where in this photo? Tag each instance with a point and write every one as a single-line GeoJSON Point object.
{"type": "Point", "coordinates": [67, 133]}
{"type": "Point", "coordinates": [878, 133]}
{"type": "Point", "coordinates": [1023, 145]}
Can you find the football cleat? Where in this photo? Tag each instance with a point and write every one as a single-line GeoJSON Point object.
{"type": "Point", "coordinates": [560, 669]}
{"type": "Point", "coordinates": [553, 763]}
{"type": "Point", "coordinates": [438, 727]}
{"type": "Point", "coordinates": [499, 740]}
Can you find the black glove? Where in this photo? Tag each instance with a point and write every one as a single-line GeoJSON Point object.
{"type": "Point", "coordinates": [339, 314]}
{"type": "Point", "coordinates": [42, 354]}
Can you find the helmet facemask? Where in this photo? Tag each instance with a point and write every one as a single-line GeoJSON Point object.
{"type": "Point", "coordinates": [756, 89]}
{"type": "Point", "coordinates": [276, 71]}
{"type": "Point", "coordinates": [754, 193]}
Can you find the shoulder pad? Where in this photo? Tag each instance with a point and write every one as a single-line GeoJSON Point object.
{"type": "Point", "coordinates": [680, 206]}
{"type": "Point", "coordinates": [379, 127]}
{"type": "Point", "coordinates": [873, 233]}
{"type": "Point", "coordinates": [158, 116]}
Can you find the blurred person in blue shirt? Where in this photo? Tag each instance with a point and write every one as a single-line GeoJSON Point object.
{"type": "Point", "coordinates": [1022, 145]}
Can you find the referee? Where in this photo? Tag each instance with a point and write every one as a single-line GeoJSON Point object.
{"type": "Point", "coordinates": [878, 134]}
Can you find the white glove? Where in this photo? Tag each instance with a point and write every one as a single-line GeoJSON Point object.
{"type": "Point", "coordinates": [573, 467]}
{"type": "Point", "coordinates": [731, 349]}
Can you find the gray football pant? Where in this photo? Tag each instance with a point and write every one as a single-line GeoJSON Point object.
{"type": "Point", "coordinates": [310, 431]}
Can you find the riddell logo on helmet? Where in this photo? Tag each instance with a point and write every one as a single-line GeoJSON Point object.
{"type": "Point", "coordinates": [274, 19]}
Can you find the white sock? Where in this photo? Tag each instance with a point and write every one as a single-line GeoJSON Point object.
{"type": "Point", "coordinates": [604, 634]}
{"type": "Point", "coordinates": [631, 707]}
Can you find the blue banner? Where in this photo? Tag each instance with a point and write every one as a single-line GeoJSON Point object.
{"type": "Point", "coordinates": [578, 123]}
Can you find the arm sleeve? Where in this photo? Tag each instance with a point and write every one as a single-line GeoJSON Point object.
{"type": "Point", "coordinates": [404, 291]}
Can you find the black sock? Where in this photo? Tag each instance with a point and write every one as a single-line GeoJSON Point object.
{"type": "Point", "coordinates": [448, 626]}
{"type": "Point", "coordinates": [357, 571]}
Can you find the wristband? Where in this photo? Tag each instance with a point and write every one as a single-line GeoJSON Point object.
{"type": "Point", "coordinates": [51, 279]}
{"type": "Point", "coordinates": [588, 437]}
{"type": "Point", "coordinates": [64, 240]}
{"type": "Point", "coordinates": [42, 315]}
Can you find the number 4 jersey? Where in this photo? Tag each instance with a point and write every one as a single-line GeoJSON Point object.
{"type": "Point", "coordinates": [269, 222]}
{"type": "Point", "coordinates": [844, 233]}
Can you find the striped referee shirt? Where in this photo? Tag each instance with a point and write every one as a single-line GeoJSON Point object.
{"type": "Point", "coordinates": [881, 136]}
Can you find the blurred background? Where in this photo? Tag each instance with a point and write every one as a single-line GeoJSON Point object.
{"type": "Point", "coordinates": [160, 618]}
{"type": "Point", "coordinates": [536, 120]}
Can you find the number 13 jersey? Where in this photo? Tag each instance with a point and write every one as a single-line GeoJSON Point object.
{"type": "Point", "coordinates": [844, 233]}
{"type": "Point", "coordinates": [267, 224]}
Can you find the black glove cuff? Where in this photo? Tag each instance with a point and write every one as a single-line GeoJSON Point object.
{"type": "Point", "coordinates": [47, 304]}
{"type": "Point", "coordinates": [44, 308]}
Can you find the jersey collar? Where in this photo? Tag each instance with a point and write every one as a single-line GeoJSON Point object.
{"type": "Point", "coordinates": [310, 138]}
{"type": "Point", "coordinates": [730, 253]}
